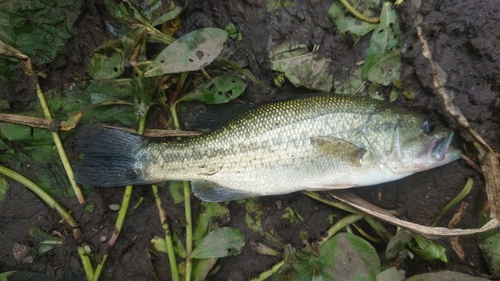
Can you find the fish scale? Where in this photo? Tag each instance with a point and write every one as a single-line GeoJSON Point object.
{"type": "Point", "coordinates": [316, 142]}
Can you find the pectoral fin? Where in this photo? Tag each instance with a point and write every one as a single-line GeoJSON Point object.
{"type": "Point", "coordinates": [340, 149]}
{"type": "Point", "coordinates": [209, 191]}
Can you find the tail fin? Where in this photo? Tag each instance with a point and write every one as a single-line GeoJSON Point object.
{"type": "Point", "coordinates": [110, 157]}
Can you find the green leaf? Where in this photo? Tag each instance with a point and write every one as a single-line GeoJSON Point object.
{"type": "Point", "coordinates": [176, 191]}
{"type": "Point", "coordinates": [4, 275]}
{"type": "Point", "coordinates": [391, 274]}
{"type": "Point", "coordinates": [346, 248]}
{"type": "Point", "coordinates": [4, 186]}
{"type": "Point", "coordinates": [170, 15]}
{"type": "Point", "coordinates": [206, 222]}
{"type": "Point", "coordinates": [220, 89]}
{"type": "Point", "coordinates": [221, 242]}
{"type": "Point", "coordinates": [38, 28]}
{"type": "Point", "coordinates": [191, 52]}
{"type": "Point", "coordinates": [347, 24]}
{"type": "Point", "coordinates": [385, 38]}
{"type": "Point", "coordinates": [108, 63]}
{"type": "Point", "coordinates": [445, 276]}
{"type": "Point", "coordinates": [426, 249]}
{"type": "Point", "coordinates": [490, 248]}
{"type": "Point", "coordinates": [397, 244]}
{"type": "Point", "coordinates": [124, 11]}
{"type": "Point", "coordinates": [387, 69]}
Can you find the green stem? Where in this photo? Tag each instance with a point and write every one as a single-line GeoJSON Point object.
{"type": "Point", "coordinates": [266, 274]}
{"type": "Point", "coordinates": [87, 266]}
{"type": "Point", "coordinates": [345, 221]}
{"type": "Point", "coordinates": [187, 189]}
{"type": "Point", "coordinates": [381, 231]}
{"type": "Point", "coordinates": [98, 270]}
{"type": "Point", "coordinates": [55, 136]}
{"type": "Point", "coordinates": [44, 196]}
{"type": "Point", "coordinates": [357, 14]}
{"type": "Point", "coordinates": [338, 205]}
{"type": "Point", "coordinates": [189, 229]}
{"type": "Point", "coordinates": [168, 237]}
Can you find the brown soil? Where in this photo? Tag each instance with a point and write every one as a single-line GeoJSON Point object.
{"type": "Point", "coordinates": [463, 37]}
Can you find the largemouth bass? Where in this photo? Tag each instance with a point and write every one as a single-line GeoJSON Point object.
{"type": "Point", "coordinates": [313, 143]}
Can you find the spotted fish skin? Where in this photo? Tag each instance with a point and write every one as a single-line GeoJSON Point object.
{"type": "Point", "coordinates": [312, 143]}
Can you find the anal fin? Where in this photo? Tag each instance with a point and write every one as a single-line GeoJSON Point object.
{"type": "Point", "coordinates": [209, 191]}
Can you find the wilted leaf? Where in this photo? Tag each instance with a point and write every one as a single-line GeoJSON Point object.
{"type": "Point", "coordinates": [219, 89]}
{"type": "Point", "coordinates": [302, 68]}
{"type": "Point", "coordinates": [347, 24]}
{"type": "Point", "coordinates": [391, 274]}
{"type": "Point", "coordinates": [72, 122]}
{"type": "Point", "coordinates": [385, 38]}
{"type": "Point", "coordinates": [191, 52]}
{"type": "Point", "coordinates": [221, 242]}
{"type": "Point", "coordinates": [387, 69]}
{"type": "Point", "coordinates": [445, 276]}
{"type": "Point", "coordinates": [159, 244]}
{"type": "Point", "coordinates": [353, 85]}
{"type": "Point", "coordinates": [253, 216]}
{"type": "Point", "coordinates": [292, 215]}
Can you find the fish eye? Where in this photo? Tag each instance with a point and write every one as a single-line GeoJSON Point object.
{"type": "Point", "coordinates": [428, 127]}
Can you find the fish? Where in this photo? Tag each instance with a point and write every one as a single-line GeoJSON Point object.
{"type": "Point", "coordinates": [317, 142]}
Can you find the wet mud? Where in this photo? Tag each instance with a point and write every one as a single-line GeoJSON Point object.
{"type": "Point", "coordinates": [464, 39]}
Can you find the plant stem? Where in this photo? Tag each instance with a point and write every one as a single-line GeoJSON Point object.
{"type": "Point", "coordinates": [189, 230]}
{"type": "Point", "coordinates": [357, 14]}
{"type": "Point", "coordinates": [87, 266]}
{"type": "Point", "coordinates": [187, 189]}
{"type": "Point", "coordinates": [28, 68]}
{"type": "Point", "coordinates": [44, 196]}
{"type": "Point", "coordinates": [168, 237]}
{"type": "Point", "coordinates": [98, 270]}
{"type": "Point", "coordinates": [338, 205]}
{"type": "Point", "coordinates": [266, 274]}
{"type": "Point", "coordinates": [345, 221]}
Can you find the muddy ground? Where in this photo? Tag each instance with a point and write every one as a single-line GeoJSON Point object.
{"type": "Point", "coordinates": [463, 37]}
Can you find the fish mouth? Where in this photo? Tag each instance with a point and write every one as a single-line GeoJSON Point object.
{"type": "Point", "coordinates": [441, 148]}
